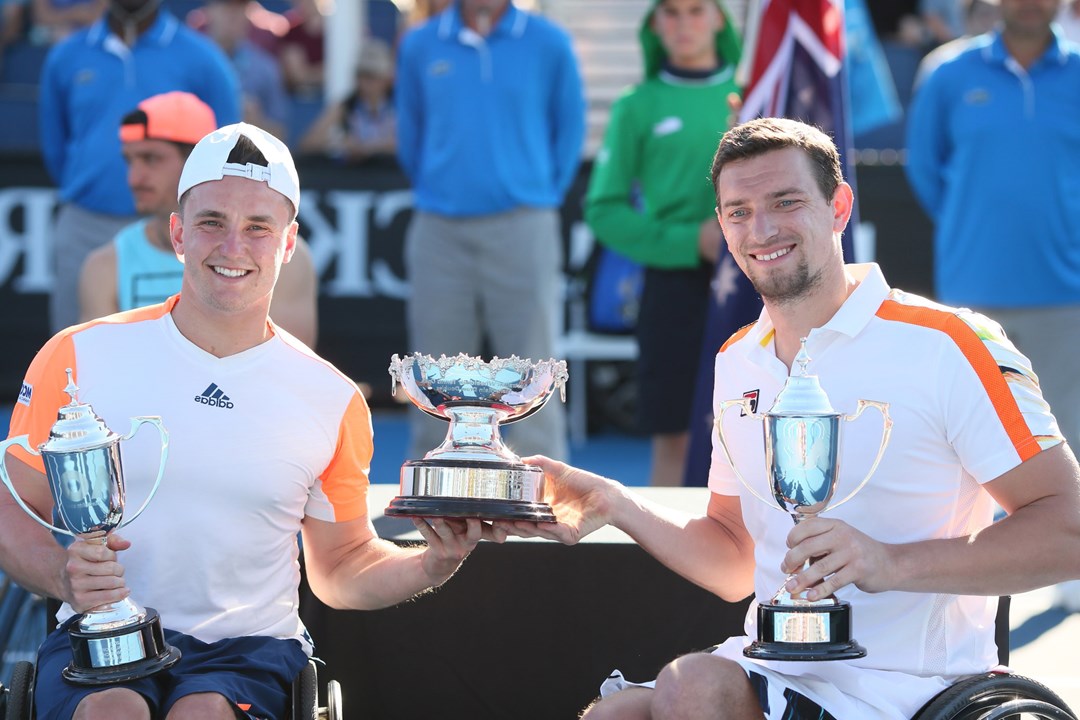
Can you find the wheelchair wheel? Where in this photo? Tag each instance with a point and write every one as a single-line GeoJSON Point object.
{"type": "Point", "coordinates": [20, 696]}
{"type": "Point", "coordinates": [332, 711]}
{"type": "Point", "coordinates": [305, 699]}
{"type": "Point", "coordinates": [981, 697]}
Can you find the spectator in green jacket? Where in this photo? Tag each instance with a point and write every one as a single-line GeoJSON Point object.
{"type": "Point", "coordinates": [650, 199]}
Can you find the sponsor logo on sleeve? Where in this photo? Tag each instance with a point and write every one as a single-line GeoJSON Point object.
{"type": "Point", "coordinates": [25, 393]}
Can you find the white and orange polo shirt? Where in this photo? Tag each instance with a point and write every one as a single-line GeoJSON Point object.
{"type": "Point", "coordinates": [257, 441]}
{"type": "Point", "coordinates": [966, 408]}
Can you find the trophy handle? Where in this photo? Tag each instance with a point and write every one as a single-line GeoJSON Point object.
{"type": "Point", "coordinates": [725, 405]}
{"type": "Point", "coordinates": [136, 422]}
{"type": "Point", "coordinates": [886, 432]}
{"type": "Point", "coordinates": [23, 441]}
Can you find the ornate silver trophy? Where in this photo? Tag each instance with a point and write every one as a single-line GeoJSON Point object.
{"type": "Point", "coordinates": [118, 641]}
{"type": "Point", "coordinates": [472, 474]}
{"type": "Point", "coordinates": [802, 458]}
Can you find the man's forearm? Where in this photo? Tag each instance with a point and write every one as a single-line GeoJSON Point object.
{"type": "Point", "coordinates": [383, 576]}
{"type": "Point", "coordinates": [28, 552]}
{"type": "Point", "coordinates": [1030, 549]}
{"type": "Point", "coordinates": [700, 549]}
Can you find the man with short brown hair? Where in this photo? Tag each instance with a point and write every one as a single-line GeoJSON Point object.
{"type": "Point", "coordinates": [915, 551]}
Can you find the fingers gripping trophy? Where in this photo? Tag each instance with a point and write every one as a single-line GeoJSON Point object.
{"type": "Point", "coordinates": [473, 474]}
{"type": "Point", "coordinates": [118, 641]}
{"type": "Point", "coordinates": [802, 458]}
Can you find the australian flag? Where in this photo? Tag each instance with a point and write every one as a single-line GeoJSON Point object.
{"type": "Point", "coordinates": [792, 66]}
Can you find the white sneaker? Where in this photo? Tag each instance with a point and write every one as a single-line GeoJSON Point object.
{"type": "Point", "coordinates": [1067, 596]}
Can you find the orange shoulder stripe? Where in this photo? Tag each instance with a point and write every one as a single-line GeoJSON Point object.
{"type": "Point", "coordinates": [737, 335]}
{"type": "Point", "coordinates": [47, 378]}
{"type": "Point", "coordinates": [345, 491]}
{"type": "Point", "coordinates": [982, 362]}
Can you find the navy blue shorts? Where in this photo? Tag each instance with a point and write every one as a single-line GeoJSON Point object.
{"type": "Point", "coordinates": [255, 673]}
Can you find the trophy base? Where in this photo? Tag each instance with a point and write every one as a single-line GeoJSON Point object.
{"type": "Point", "coordinates": [403, 506]}
{"type": "Point", "coordinates": [128, 653]}
{"type": "Point", "coordinates": [471, 488]}
{"type": "Point", "coordinates": [804, 633]}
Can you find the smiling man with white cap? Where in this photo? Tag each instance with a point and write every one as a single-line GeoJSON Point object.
{"type": "Point", "coordinates": [139, 267]}
{"type": "Point", "coordinates": [212, 159]}
{"type": "Point", "coordinates": [267, 440]}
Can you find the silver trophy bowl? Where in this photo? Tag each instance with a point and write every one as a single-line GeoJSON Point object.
{"type": "Point", "coordinates": [473, 473]}
{"type": "Point", "coordinates": [802, 459]}
{"type": "Point", "coordinates": [117, 641]}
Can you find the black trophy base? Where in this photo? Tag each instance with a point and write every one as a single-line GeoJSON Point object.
{"type": "Point", "coordinates": [471, 488]}
{"type": "Point", "coordinates": [485, 509]}
{"type": "Point", "coordinates": [114, 656]}
{"type": "Point", "coordinates": [804, 633]}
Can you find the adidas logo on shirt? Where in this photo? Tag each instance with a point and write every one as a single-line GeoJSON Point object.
{"type": "Point", "coordinates": [214, 397]}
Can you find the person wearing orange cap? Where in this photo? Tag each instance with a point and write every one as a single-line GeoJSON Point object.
{"type": "Point", "coordinates": [139, 267]}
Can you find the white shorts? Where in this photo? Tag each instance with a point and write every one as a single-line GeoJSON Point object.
{"type": "Point", "coordinates": [778, 701]}
{"type": "Point", "coordinates": [796, 692]}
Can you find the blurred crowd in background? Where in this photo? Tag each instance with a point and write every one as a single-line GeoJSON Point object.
{"type": "Point", "coordinates": [277, 47]}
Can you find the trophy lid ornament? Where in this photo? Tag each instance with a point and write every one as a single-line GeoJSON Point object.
{"type": "Point", "coordinates": [802, 394]}
{"type": "Point", "coordinates": [78, 427]}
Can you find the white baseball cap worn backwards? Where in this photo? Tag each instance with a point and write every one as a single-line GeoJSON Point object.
{"type": "Point", "coordinates": [209, 162]}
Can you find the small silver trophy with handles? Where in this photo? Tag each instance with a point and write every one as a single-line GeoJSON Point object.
{"type": "Point", "coordinates": [473, 474]}
{"type": "Point", "coordinates": [802, 458]}
{"type": "Point", "coordinates": [118, 641]}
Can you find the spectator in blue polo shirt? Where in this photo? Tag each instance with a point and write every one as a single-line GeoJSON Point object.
{"type": "Point", "coordinates": [89, 82]}
{"type": "Point", "coordinates": [491, 119]}
{"type": "Point", "coordinates": [994, 158]}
